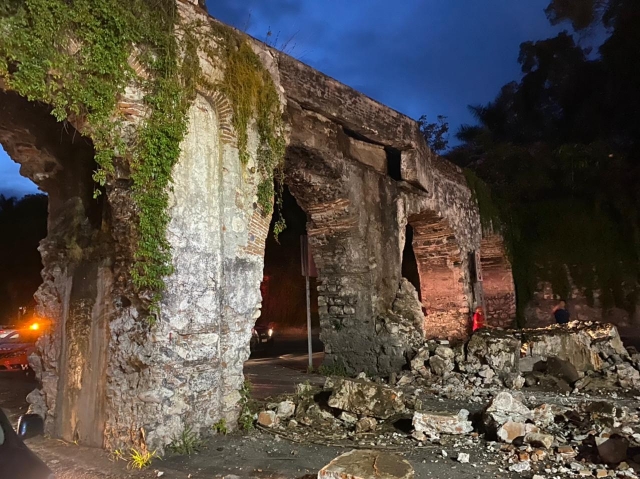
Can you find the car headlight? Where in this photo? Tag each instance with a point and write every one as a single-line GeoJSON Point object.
{"type": "Point", "coordinates": [270, 332]}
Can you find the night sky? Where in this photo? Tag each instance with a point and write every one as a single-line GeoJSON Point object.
{"type": "Point", "coordinates": [430, 57]}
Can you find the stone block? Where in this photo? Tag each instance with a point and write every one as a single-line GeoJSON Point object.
{"type": "Point", "coordinates": [366, 464]}
{"type": "Point", "coordinates": [433, 424]}
{"type": "Point", "coordinates": [366, 398]}
{"type": "Point", "coordinates": [368, 154]}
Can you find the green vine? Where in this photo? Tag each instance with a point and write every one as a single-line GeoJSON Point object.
{"type": "Point", "coordinates": [490, 217]}
{"type": "Point", "coordinates": [74, 55]}
{"type": "Point", "coordinates": [253, 94]}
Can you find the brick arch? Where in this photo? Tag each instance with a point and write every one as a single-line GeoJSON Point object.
{"type": "Point", "coordinates": [224, 111]}
{"type": "Point", "coordinates": [498, 286]}
{"type": "Point", "coordinates": [442, 276]}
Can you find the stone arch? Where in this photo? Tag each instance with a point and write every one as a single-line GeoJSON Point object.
{"type": "Point", "coordinates": [443, 279]}
{"type": "Point", "coordinates": [77, 256]}
{"type": "Point", "coordinates": [498, 285]}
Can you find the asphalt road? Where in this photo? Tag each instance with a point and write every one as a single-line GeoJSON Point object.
{"type": "Point", "coordinates": [277, 369]}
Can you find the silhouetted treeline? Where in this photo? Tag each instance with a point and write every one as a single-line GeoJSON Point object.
{"type": "Point", "coordinates": [23, 223]}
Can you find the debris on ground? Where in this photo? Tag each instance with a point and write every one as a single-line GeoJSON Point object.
{"type": "Point", "coordinates": [497, 376]}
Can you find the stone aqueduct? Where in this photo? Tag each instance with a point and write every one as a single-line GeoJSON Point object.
{"type": "Point", "coordinates": [361, 172]}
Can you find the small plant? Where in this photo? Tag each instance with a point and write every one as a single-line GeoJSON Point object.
{"type": "Point", "coordinates": [186, 443]}
{"type": "Point", "coordinates": [116, 455]}
{"type": "Point", "coordinates": [221, 426]}
{"type": "Point", "coordinates": [140, 459]}
{"type": "Point", "coordinates": [310, 369]}
{"type": "Point", "coordinates": [334, 369]}
{"type": "Point", "coordinates": [245, 420]}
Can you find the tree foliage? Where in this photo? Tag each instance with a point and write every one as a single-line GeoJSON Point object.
{"type": "Point", "coordinates": [560, 150]}
{"type": "Point", "coordinates": [435, 134]}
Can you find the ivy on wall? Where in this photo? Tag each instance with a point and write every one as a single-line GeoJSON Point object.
{"type": "Point", "coordinates": [73, 55]}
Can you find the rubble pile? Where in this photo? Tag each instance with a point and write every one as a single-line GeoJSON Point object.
{"type": "Point", "coordinates": [585, 357]}
{"type": "Point", "coordinates": [475, 396]}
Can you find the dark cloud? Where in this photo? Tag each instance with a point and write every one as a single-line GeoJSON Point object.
{"type": "Point", "coordinates": [416, 56]}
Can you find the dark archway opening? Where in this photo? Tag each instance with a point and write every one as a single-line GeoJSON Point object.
{"type": "Point", "coordinates": [409, 262]}
{"type": "Point", "coordinates": [283, 287]}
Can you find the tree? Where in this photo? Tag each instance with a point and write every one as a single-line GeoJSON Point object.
{"type": "Point", "coordinates": [435, 134]}
{"type": "Point", "coordinates": [560, 150]}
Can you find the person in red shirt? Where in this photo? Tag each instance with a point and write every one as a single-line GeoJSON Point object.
{"type": "Point", "coordinates": [478, 319]}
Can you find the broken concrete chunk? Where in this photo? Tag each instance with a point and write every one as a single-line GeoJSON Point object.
{"type": "Point", "coordinates": [463, 458]}
{"type": "Point", "coordinates": [545, 414]}
{"type": "Point", "coordinates": [498, 349]}
{"type": "Point", "coordinates": [628, 376]}
{"type": "Point", "coordinates": [366, 398]}
{"type": "Point", "coordinates": [286, 409]}
{"type": "Point", "coordinates": [366, 424]}
{"type": "Point", "coordinates": [537, 439]}
{"type": "Point", "coordinates": [504, 407]}
{"type": "Point", "coordinates": [510, 431]}
{"type": "Point", "coordinates": [440, 366]}
{"type": "Point", "coordinates": [267, 418]}
{"type": "Point", "coordinates": [366, 464]}
{"type": "Point", "coordinates": [433, 424]}
{"type": "Point", "coordinates": [445, 352]}
{"type": "Point", "coordinates": [348, 418]}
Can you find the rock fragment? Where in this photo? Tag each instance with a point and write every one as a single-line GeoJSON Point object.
{"type": "Point", "coordinates": [366, 398]}
{"type": "Point", "coordinates": [367, 464]}
{"type": "Point", "coordinates": [267, 418]}
{"type": "Point", "coordinates": [434, 424]}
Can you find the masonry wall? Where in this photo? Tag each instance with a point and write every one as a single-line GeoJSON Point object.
{"type": "Point", "coordinates": [498, 285]}
{"type": "Point", "coordinates": [361, 172]}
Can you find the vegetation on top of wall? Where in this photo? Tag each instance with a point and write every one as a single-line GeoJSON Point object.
{"type": "Point", "coordinates": [253, 95]}
{"type": "Point", "coordinates": [490, 217]}
{"type": "Point", "coordinates": [75, 56]}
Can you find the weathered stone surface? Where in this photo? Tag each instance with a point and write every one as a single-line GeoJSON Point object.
{"type": "Point", "coordinates": [504, 408]}
{"type": "Point", "coordinates": [286, 409]}
{"type": "Point", "coordinates": [366, 464]}
{"type": "Point", "coordinates": [433, 424]}
{"type": "Point", "coordinates": [562, 369]}
{"type": "Point", "coordinates": [366, 398]}
{"type": "Point", "coordinates": [537, 439]}
{"type": "Point", "coordinates": [511, 430]}
{"type": "Point", "coordinates": [497, 285]}
{"type": "Point", "coordinates": [366, 424]}
{"type": "Point", "coordinates": [499, 350]}
{"type": "Point", "coordinates": [368, 154]}
{"type": "Point", "coordinates": [440, 366]}
{"type": "Point", "coordinates": [578, 343]}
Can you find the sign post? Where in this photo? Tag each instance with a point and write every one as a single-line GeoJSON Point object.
{"type": "Point", "coordinates": [308, 269]}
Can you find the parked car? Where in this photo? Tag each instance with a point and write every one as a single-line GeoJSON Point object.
{"type": "Point", "coordinates": [15, 349]}
{"type": "Point", "coordinates": [5, 330]}
{"type": "Point", "coordinates": [262, 336]}
{"type": "Point", "coordinates": [16, 459]}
